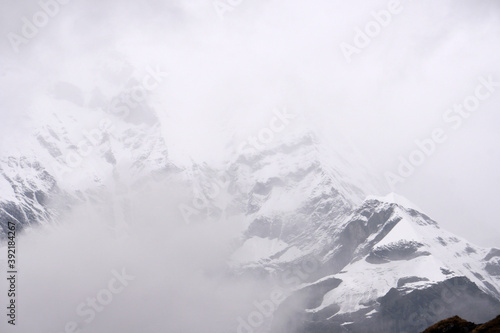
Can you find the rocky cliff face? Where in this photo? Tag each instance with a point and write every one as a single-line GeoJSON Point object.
{"type": "Point", "coordinates": [397, 272]}
{"type": "Point", "coordinates": [373, 263]}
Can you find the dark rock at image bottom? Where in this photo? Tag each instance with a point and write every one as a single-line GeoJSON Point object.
{"type": "Point", "coordinates": [458, 325]}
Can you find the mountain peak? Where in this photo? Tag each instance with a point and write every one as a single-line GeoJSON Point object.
{"type": "Point", "coordinates": [394, 198]}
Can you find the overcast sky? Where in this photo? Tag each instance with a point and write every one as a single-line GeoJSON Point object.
{"type": "Point", "coordinates": [230, 66]}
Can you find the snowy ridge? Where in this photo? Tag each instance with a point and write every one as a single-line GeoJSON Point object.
{"type": "Point", "coordinates": [78, 150]}
{"type": "Point", "coordinates": [390, 248]}
{"type": "Point", "coordinates": [395, 199]}
{"type": "Point", "coordinates": [438, 257]}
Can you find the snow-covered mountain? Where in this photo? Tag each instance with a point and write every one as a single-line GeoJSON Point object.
{"type": "Point", "coordinates": [373, 263]}
{"type": "Point", "coordinates": [80, 150]}
{"type": "Point", "coordinates": [402, 273]}
{"type": "Point", "coordinates": [378, 264]}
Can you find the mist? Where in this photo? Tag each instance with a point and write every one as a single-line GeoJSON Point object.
{"type": "Point", "coordinates": [173, 276]}
{"type": "Point", "coordinates": [227, 68]}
